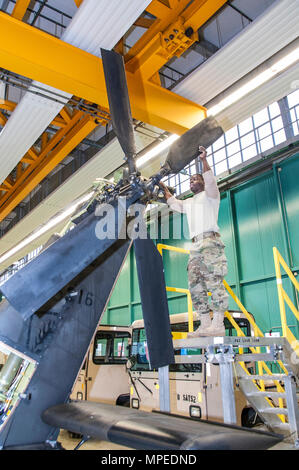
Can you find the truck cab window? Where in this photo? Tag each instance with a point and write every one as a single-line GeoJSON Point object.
{"type": "Point", "coordinates": [111, 347]}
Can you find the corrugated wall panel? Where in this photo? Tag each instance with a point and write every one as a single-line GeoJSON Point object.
{"type": "Point", "coordinates": [227, 234]}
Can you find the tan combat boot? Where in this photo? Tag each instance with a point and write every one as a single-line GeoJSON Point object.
{"type": "Point", "coordinates": [217, 326]}
{"type": "Point", "coordinates": [205, 323]}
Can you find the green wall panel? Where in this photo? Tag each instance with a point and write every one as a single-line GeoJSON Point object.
{"type": "Point", "coordinates": [177, 304]}
{"type": "Point", "coordinates": [136, 312]}
{"type": "Point", "coordinates": [119, 316]}
{"type": "Point", "coordinates": [227, 235]}
{"type": "Point", "coordinates": [135, 294]}
{"type": "Point", "coordinates": [175, 269]}
{"type": "Point", "coordinates": [258, 228]}
{"type": "Point", "coordinates": [105, 318]}
{"type": "Point", "coordinates": [261, 299]}
{"type": "Point", "coordinates": [289, 179]}
{"type": "Point", "coordinates": [121, 294]}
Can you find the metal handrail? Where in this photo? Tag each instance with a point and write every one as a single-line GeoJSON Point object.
{"type": "Point", "coordinates": [160, 248]}
{"type": "Point", "coordinates": [257, 331]}
{"type": "Point", "coordinates": [283, 297]}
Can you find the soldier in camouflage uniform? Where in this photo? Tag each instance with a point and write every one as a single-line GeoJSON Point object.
{"type": "Point", "coordinates": [207, 263]}
{"type": "Point", "coordinates": [206, 269]}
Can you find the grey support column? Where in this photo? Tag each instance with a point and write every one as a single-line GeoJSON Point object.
{"type": "Point", "coordinates": [286, 117]}
{"type": "Point", "coordinates": [292, 406]}
{"type": "Point", "coordinates": [225, 359]}
{"type": "Point", "coordinates": [164, 391]}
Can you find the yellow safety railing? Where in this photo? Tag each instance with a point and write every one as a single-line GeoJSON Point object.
{"type": "Point", "coordinates": [283, 297]}
{"type": "Point", "coordinates": [257, 331]}
{"type": "Point", "coordinates": [179, 335]}
{"type": "Point", "coordinates": [262, 366]}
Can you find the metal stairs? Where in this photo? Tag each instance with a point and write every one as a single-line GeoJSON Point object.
{"type": "Point", "coordinates": [272, 395]}
{"type": "Point", "coordinates": [277, 409]}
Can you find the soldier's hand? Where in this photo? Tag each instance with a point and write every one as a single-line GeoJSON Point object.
{"type": "Point", "coordinates": [203, 152]}
{"type": "Point", "coordinates": [166, 190]}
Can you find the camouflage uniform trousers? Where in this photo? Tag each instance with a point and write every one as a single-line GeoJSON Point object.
{"type": "Point", "coordinates": [207, 267]}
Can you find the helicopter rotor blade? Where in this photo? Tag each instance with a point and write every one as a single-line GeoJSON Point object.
{"type": "Point", "coordinates": [185, 149]}
{"type": "Point", "coordinates": [154, 303]}
{"type": "Point", "coordinates": [119, 104]}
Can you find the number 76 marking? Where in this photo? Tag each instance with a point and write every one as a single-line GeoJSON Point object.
{"type": "Point", "coordinates": [85, 299]}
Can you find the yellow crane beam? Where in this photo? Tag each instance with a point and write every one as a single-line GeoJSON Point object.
{"type": "Point", "coordinates": [3, 120]}
{"type": "Point", "coordinates": [39, 56]}
{"type": "Point", "coordinates": [165, 17]}
{"type": "Point", "coordinates": [58, 121]}
{"type": "Point", "coordinates": [158, 9]}
{"type": "Point", "coordinates": [35, 166]}
{"type": "Point", "coordinates": [20, 9]}
{"type": "Point", "coordinates": [78, 2]}
{"type": "Point", "coordinates": [170, 36]}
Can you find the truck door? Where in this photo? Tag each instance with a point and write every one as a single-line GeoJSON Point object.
{"type": "Point", "coordinates": [107, 380]}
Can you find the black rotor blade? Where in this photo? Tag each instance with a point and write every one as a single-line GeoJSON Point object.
{"type": "Point", "coordinates": [119, 104]}
{"type": "Point", "coordinates": [154, 303]}
{"type": "Point", "coordinates": [185, 149]}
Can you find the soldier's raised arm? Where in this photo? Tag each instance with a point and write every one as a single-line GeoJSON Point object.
{"type": "Point", "coordinates": [211, 187]}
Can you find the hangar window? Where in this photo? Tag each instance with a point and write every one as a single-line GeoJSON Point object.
{"type": "Point", "coordinates": [221, 167]}
{"type": "Point", "coordinates": [261, 117]}
{"type": "Point", "coordinates": [245, 126]}
{"type": "Point", "coordinates": [231, 135]}
{"type": "Point", "coordinates": [250, 152]}
{"type": "Point", "coordinates": [274, 110]}
{"type": "Point", "coordinates": [279, 137]}
{"type": "Point", "coordinates": [293, 98]}
{"type": "Point", "coordinates": [255, 135]}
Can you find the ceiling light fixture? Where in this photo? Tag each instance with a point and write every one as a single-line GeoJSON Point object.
{"type": "Point", "coordinates": [50, 224]}
{"type": "Point", "coordinates": [257, 81]}
{"type": "Point", "coordinates": [156, 150]}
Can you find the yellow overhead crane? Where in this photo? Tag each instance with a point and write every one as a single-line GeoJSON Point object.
{"type": "Point", "coordinates": [170, 35]}
{"type": "Point", "coordinates": [20, 9]}
{"type": "Point", "coordinates": [39, 56]}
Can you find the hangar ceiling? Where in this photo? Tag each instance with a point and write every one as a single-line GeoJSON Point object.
{"type": "Point", "coordinates": [54, 113]}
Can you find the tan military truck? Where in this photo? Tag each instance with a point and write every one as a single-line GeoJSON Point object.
{"type": "Point", "coordinates": [195, 389]}
{"type": "Point", "coordinates": [117, 371]}
{"type": "Point", "coordinates": [103, 377]}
